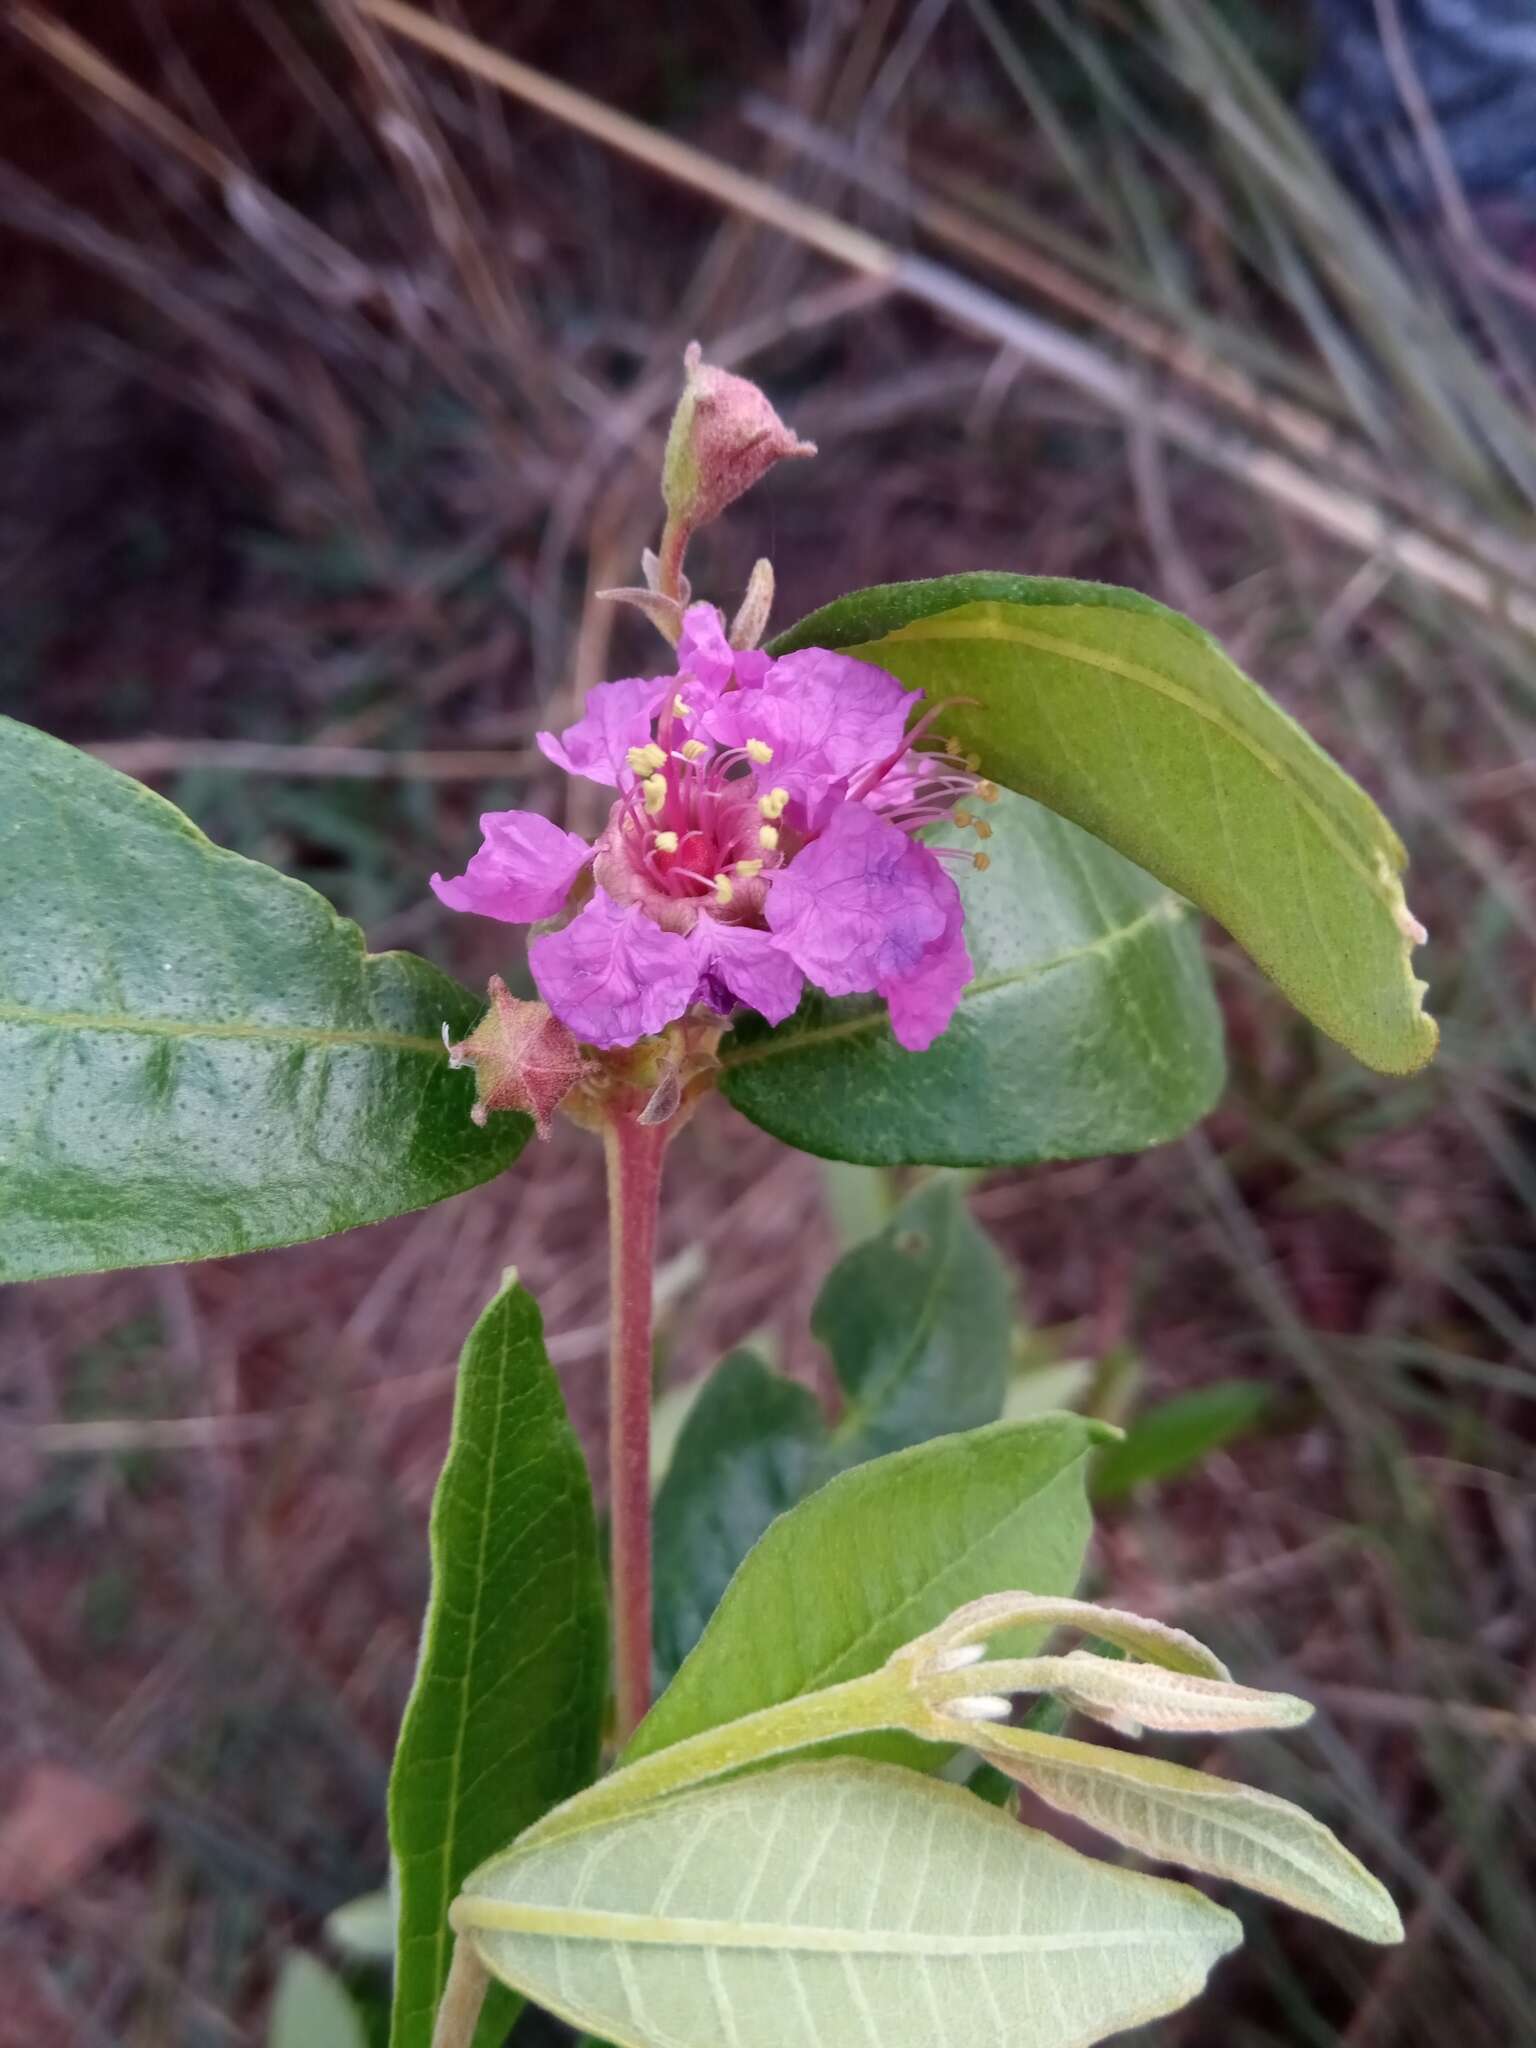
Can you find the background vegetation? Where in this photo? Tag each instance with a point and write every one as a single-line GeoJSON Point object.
{"type": "Point", "coordinates": [333, 385]}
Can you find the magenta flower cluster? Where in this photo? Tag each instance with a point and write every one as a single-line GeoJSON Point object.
{"type": "Point", "coordinates": [763, 838]}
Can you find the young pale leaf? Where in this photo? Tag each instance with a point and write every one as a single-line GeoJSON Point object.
{"type": "Point", "coordinates": [1204, 1823]}
{"type": "Point", "coordinates": [878, 1555]}
{"type": "Point", "coordinates": [196, 1055]}
{"type": "Point", "coordinates": [1132, 1696]}
{"type": "Point", "coordinates": [1089, 1027]}
{"type": "Point", "coordinates": [842, 1902]}
{"type": "Point", "coordinates": [1156, 1642]}
{"type": "Point", "coordinates": [1128, 719]}
{"type": "Point", "coordinates": [917, 1321]}
{"type": "Point", "coordinates": [505, 1717]}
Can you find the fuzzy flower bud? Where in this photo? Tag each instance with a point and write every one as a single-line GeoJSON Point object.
{"type": "Point", "coordinates": [725, 437]}
{"type": "Point", "coordinates": [523, 1056]}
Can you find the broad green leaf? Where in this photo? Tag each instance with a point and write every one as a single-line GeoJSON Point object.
{"type": "Point", "coordinates": [312, 2008]}
{"type": "Point", "coordinates": [746, 1453]}
{"type": "Point", "coordinates": [505, 1717]}
{"type": "Point", "coordinates": [1204, 1823]}
{"type": "Point", "coordinates": [196, 1055]}
{"type": "Point", "coordinates": [843, 1902]}
{"type": "Point", "coordinates": [1178, 1434]}
{"type": "Point", "coordinates": [918, 1322]}
{"type": "Point", "coordinates": [877, 1556]}
{"type": "Point", "coordinates": [1090, 1026]}
{"type": "Point", "coordinates": [1128, 719]}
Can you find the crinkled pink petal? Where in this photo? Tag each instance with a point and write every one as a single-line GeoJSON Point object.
{"type": "Point", "coordinates": [743, 965]}
{"type": "Point", "coordinates": [618, 716]}
{"type": "Point", "coordinates": [522, 872]}
{"type": "Point", "coordinates": [859, 907]}
{"type": "Point", "coordinates": [705, 654]}
{"type": "Point", "coordinates": [613, 976]}
{"type": "Point", "coordinates": [826, 719]}
{"type": "Point", "coordinates": [922, 1003]}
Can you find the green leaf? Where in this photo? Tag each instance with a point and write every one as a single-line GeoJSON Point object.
{"type": "Point", "coordinates": [746, 1453]}
{"type": "Point", "coordinates": [1178, 1434]}
{"type": "Point", "coordinates": [196, 1055]}
{"type": "Point", "coordinates": [875, 1557]}
{"type": "Point", "coordinates": [1090, 1026]}
{"type": "Point", "coordinates": [1128, 719]}
{"type": "Point", "coordinates": [1202, 1822]}
{"type": "Point", "coordinates": [312, 2008]}
{"type": "Point", "coordinates": [505, 1717]}
{"type": "Point", "coordinates": [918, 1322]}
{"type": "Point", "coordinates": [841, 1902]}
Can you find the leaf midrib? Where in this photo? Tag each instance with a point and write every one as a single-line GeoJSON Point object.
{"type": "Point", "coordinates": [176, 1027]}
{"type": "Point", "coordinates": [575, 1923]}
{"type": "Point", "coordinates": [1168, 909]}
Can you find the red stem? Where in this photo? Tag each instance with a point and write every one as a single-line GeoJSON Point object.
{"type": "Point", "coordinates": [634, 1188]}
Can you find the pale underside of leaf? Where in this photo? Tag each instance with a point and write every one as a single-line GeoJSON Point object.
{"type": "Point", "coordinates": [843, 1902]}
{"type": "Point", "coordinates": [1202, 1822]}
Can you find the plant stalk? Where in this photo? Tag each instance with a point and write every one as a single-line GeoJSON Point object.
{"type": "Point", "coordinates": [634, 1151]}
{"type": "Point", "coordinates": [458, 2013]}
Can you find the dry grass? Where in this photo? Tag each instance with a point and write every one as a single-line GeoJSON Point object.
{"type": "Point", "coordinates": [325, 423]}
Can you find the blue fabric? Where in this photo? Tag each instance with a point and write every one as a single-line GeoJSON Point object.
{"type": "Point", "coordinates": [1476, 64]}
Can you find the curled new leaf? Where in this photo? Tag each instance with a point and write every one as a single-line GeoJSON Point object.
{"type": "Point", "coordinates": [1204, 1823]}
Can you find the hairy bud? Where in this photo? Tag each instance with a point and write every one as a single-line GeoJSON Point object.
{"type": "Point", "coordinates": [725, 437]}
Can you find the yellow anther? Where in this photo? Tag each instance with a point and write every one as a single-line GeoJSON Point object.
{"type": "Point", "coordinates": [654, 791]}
{"type": "Point", "coordinates": [693, 750]}
{"type": "Point", "coordinates": [760, 752]}
{"type": "Point", "coordinates": [987, 791]}
{"type": "Point", "coordinates": [768, 838]}
{"type": "Point", "coordinates": [680, 709]}
{"type": "Point", "coordinates": [964, 820]}
{"type": "Point", "coordinates": [647, 759]}
{"type": "Point", "coordinates": [982, 829]}
{"type": "Point", "coordinates": [666, 842]}
{"type": "Point", "coordinates": [973, 763]}
{"type": "Point", "coordinates": [952, 744]}
{"type": "Point", "coordinates": [723, 890]}
{"type": "Point", "coordinates": [981, 862]}
{"type": "Point", "coordinates": [773, 804]}
{"type": "Point", "coordinates": [748, 868]}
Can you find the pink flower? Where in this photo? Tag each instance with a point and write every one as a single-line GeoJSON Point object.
{"type": "Point", "coordinates": [763, 837]}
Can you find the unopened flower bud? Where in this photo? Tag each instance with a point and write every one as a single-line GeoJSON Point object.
{"type": "Point", "coordinates": [725, 437]}
{"type": "Point", "coordinates": [524, 1058]}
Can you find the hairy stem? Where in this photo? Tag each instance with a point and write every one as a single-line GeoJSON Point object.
{"type": "Point", "coordinates": [463, 1995]}
{"type": "Point", "coordinates": [634, 1187]}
